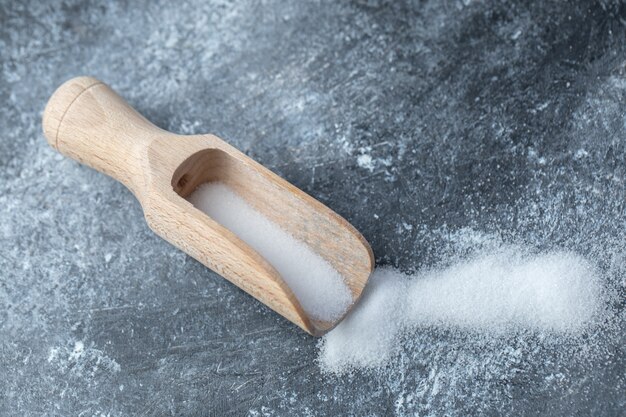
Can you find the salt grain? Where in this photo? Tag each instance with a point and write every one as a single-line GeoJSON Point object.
{"type": "Point", "coordinates": [319, 288]}
{"type": "Point", "coordinates": [502, 290]}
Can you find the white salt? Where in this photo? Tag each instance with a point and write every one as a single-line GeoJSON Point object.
{"type": "Point", "coordinates": [319, 288]}
{"type": "Point", "coordinates": [501, 290]}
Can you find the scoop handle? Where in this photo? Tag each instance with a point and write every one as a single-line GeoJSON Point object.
{"type": "Point", "coordinates": [87, 121]}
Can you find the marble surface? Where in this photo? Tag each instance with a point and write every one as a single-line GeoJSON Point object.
{"type": "Point", "coordinates": [412, 120]}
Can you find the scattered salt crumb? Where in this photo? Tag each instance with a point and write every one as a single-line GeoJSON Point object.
{"type": "Point", "coordinates": [533, 155]}
{"type": "Point", "coordinates": [580, 154]}
{"type": "Point", "coordinates": [346, 145]}
{"type": "Point", "coordinates": [365, 161]}
{"type": "Point", "coordinates": [53, 354]}
{"type": "Point", "coordinates": [320, 289]}
{"type": "Point", "coordinates": [543, 106]}
{"type": "Point", "coordinates": [107, 257]}
{"type": "Point", "coordinates": [503, 289]}
{"type": "Point", "coordinates": [79, 348]}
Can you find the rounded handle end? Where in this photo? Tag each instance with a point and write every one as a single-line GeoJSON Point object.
{"type": "Point", "coordinates": [59, 104]}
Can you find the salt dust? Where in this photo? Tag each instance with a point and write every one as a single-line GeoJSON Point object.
{"type": "Point", "coordinates": [81, 360]}
{"type": "Point", "coordinates": [320, 289]}
{"type": "Point", "coordinates": [499, 290]}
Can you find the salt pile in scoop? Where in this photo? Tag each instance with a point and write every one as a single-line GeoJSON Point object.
{"type": "Point", "coordinates": [319, 288]}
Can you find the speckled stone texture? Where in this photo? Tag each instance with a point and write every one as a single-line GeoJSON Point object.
{"type": "Point", "coordinates": [410, 120]}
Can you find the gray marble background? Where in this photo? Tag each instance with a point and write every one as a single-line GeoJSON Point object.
{"type": "Point", "coordinates": [410, 119]}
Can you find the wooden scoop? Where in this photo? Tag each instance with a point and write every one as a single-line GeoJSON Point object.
{"type": "Point", "coordinates": [90, 123]}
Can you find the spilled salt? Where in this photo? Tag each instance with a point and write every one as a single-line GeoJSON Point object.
{"type": "Point", "coordinates": [319, 288]}
{"type": "Point", "coordinates": [506, 289]}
